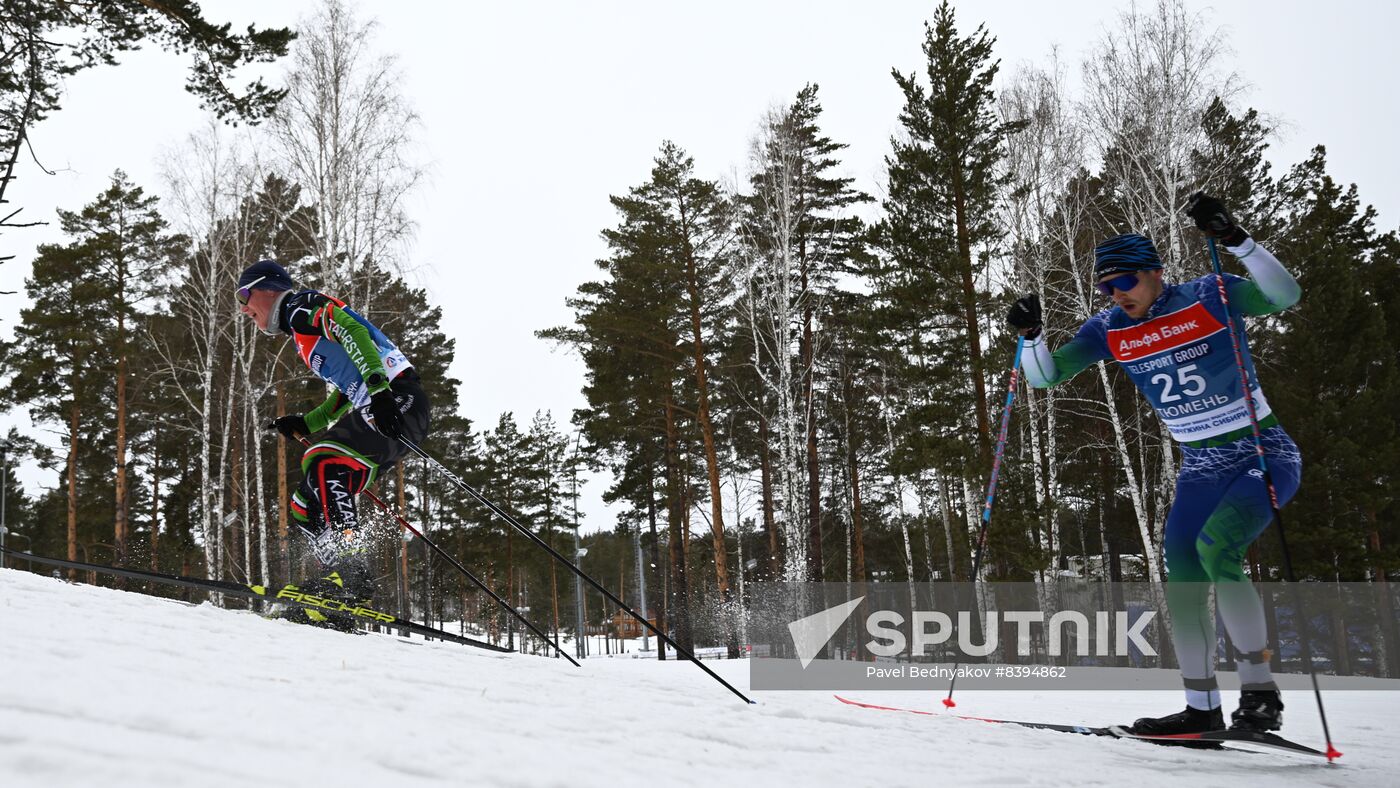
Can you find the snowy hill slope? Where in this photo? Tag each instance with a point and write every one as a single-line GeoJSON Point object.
{"type": "Point", "coordinates": [120, 689]}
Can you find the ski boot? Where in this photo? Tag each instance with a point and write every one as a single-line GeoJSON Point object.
{"type": "Point", "coordinates": [1260, 710]}
{"type": "Point", "coordinates": [1192, 720]}
{"type": "Point", "coordinates": [351, 585]}
{"type": "Point", "coordinates": [347, 580]}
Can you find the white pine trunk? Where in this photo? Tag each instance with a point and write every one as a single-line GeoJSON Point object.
{"type": "Point", "coordinates": [972, 509]}
{"type": "Point", "coordinates": [206, 448]}
{"type": "Point", "coordinates": [899, 501]}
{"type": "Point", "coordinates": [945, 504]}
{"type": "Point", "coordinates": [739, 607]}
{"type": "Point", "coordinates": [1166, 485]}
{"type": "Point", "coordinates": [261, 511]}
{"type": "Point", "coordinates": [254, 494]}
{"type": "Point", "coordinates": [246, 509]}
{"type": "Point", "coordinates": [773, 306]}
{"type": "Point", "coordinates": [221, 477]}
{"type": "Point", "coordinates": [1039, 469]}
{"type": "Point", "coordinates": [1135, 492]}
{"type": "Point", "coordinates": [922, 491]}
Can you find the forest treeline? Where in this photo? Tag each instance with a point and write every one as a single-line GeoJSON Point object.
{"type": "Point", "coordinates": [788, 378]}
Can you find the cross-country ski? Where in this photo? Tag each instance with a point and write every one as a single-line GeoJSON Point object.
{"type": "Point", "coordinates": [1205, 738]}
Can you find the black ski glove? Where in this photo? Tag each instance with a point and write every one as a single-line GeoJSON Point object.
{"type": "Point", "coordinates": [1211, 218]}
{"type": "Point", "coordinates": [385, 410]}
{"type": "Point", "coordinates": [1025, 316]}
{"type": "Point", "coordinates": [289, 426]}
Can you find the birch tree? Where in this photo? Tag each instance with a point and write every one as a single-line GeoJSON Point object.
{"type": "Point", "coordinates": [1148, 86]}
{"type": "Point", "coordinates": [769, 308]}
{"type": "Point", "coordinates": [344, 134]}
{"type": "Point", "coordinates": [1044, 222]}
{"type": "Point", "coordinates": [207, 182]}
{"type": "Point", "coordinates": [798, 235]}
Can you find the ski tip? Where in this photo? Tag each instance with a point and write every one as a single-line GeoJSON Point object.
{"type": "Point", "coordinates": [949, 702]}
{"type": "Point", "coordinates": [1332, 753]}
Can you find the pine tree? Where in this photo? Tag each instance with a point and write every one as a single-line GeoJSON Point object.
{"type": "Point", "coordinates": [551, 508]}
{"type": "Point", "coordinates": [943, 187]}
{"type": "Point", "coordinates": [1232, 167]}
{"type": "Point", "coordinates": [631, 329]}
{"type": "Point", "coordinates": [943, 183]}
{"type": "Point", "coordinates": [1336, 393]}
{"type": "Point", "coordinates": [853, 417]}
{"type": "Point", "coordinates": [506, 461]}
{"type": "Point", "coordinates": [52, 360]}
{"type": "Point", "coordinates": [16, 506]}
{"type": "Point", "coordinates": [122, 239]}
{"type": "Point", "coordinates": [694, 219]}
{"type": "Point", "coordinates": [47, 42]}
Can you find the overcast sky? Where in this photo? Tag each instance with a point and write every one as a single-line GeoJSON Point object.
{"type": "Point", "coordinates": [533, 113]}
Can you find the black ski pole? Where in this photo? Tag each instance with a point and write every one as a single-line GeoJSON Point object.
{"type": "Point", "coordinates": [1237, 340]}
{"type": "Point", "coordinates": [479, 584]}
{"type": "Point", "coordinates": [469, 490]}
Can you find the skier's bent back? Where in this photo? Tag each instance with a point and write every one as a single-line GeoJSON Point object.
{"type": "Point", "coordinates": [377, 399]}
{"type": "Point", "coordinates": [1173, 341]}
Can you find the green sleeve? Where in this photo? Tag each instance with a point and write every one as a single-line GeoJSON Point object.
{"type": "Point", "coordinates": [328, 412]}
{"type": "Point", "coordinates": [1045, 369]}
{"type": "Point", "coordinates": [1248, 298]}
{"type": "Point", "coordinates": [1270, 288]}
{"type": "Point", "coordinates": [359, 346]}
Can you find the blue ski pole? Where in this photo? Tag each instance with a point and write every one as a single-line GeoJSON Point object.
{"type": "Point", "coordinates": [991, 491]}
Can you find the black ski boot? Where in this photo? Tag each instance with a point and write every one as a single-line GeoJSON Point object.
{"type": "Point", "coordinates": [1191, 720]}
{"type": "Point", "coordinates": [1260, 710]}
{"type": "Point", "coordinates": [350, 583]}
{"type": "Point", "coordinates": [353, 592]}
{"type": "Point", "coordinates": [332, 587]}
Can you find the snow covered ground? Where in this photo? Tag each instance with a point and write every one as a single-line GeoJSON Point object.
{"type": "Point", "coordinates": [100, 687]}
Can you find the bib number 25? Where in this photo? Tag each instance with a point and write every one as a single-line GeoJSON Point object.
{"type": "Point", "coordinates": [1191, 385]}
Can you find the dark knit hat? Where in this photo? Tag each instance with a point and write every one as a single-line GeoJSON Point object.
{"type": "Point", "coordinates": [268, 275]}
{"type": "Point", "coordinates": [1123, 253]}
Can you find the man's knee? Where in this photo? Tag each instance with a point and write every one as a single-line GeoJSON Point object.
{"type": "Point", "coordinates": [332, 481]}
{"type": "Point", "coordinates": [323, 462]}
{"type": "Point", "coordinates": [1183, 562]}
{"type": "Point", "coordinates": [1222, 543]}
